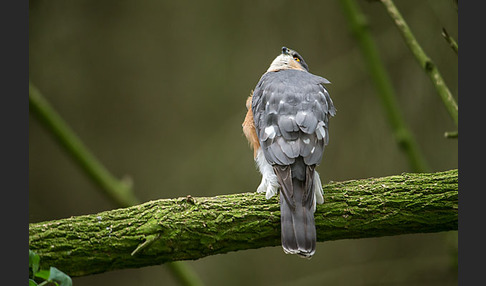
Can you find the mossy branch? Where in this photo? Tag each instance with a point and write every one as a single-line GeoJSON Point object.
{"type": "Point", "coordinates": [190, 228]}
{"type": "Point", "coordinates": [119, 191]}
{"type": "Point", "coordinates": [385, 91]}
{"type": "Point", "coordinates": [424, 61]}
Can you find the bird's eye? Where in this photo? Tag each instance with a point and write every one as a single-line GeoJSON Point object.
{"type": "Point", "coordinates": [297, 59]}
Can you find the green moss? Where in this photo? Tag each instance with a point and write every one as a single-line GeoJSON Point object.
{"type": "Point", "coordinates": [190, 228]}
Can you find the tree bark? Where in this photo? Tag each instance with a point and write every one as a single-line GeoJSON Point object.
{"type": "Point", "coordinates": [190, 228]}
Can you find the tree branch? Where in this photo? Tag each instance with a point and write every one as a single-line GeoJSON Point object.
{"type": "Point", "coordinates": [424, 61]}
{"type": "Point", "coordinates": [450, 40]}
{"type": "Point", "coordinates": [117, 190]}
{"type": "Point", "coordinates": [191, 228]}
{"type": "Point", "coordinates": [385, 91]}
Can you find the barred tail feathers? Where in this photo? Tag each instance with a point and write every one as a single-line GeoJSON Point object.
{"type": "Point", "coordinates": [297, 206]}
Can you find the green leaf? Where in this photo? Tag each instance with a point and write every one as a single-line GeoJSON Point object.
{"type": "Point", "coordinates": [34, 260]}
{"type": "Point", "coordinates": [44, 274]}
{"type": "Point", "coordinates": [32, 282]}
{"type": "Point", "coordinates": [59, 276]}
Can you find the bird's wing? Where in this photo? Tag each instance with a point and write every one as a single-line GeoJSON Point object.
{"type": "Point", "coordinates": [291, 110]}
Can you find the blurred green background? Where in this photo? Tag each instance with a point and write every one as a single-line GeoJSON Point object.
{"type": "Point", "coordinates": [157, 90]}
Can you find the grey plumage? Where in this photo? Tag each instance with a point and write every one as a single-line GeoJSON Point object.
{"type": "Point", "coordinates": [291, 110]}
{"type": "Point", "coordinates": [297, 105]}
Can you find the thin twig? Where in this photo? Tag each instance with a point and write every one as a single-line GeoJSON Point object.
{"type": "Point", "coordinates": [382, 82]}
{"type": "Point", "coordinates": [450, 41]}
{"type": "Point", "coordinates": [424, 61]}
{"type": "Point", "coordinates": [451, 134]}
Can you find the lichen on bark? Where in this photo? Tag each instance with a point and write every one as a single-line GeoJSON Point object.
{"type": "Point", "coordinates": [190, 228]}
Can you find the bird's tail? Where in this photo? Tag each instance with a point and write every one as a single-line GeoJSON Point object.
{"type": "Point", "coordinates": [297, 208]}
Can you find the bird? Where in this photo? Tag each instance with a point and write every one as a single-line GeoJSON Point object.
{"type": "Point", "coordinates": [287, 126]}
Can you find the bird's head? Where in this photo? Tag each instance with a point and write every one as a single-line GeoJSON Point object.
{"type": "Point", "coordinates": [288, 59]}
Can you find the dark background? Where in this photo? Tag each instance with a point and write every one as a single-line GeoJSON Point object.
{"type": "Point", "coordinates": [157, 90]}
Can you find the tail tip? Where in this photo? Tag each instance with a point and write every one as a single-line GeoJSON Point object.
{"type": "Point", "coordinates": [303, 253]}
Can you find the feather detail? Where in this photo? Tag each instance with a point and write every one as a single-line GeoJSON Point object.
{"type": "Point", "coordinates": [297, 206]}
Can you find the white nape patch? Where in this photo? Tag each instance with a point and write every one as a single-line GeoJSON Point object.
{"type": "Point", "coordinates": [280, 62]}
{"type": "Point", "coordinates": [284, 61]}
{"type": "Point", "coordinates": [269, 184]}
{"type": "Point", "coordinates": [270, 131]}
{"type": "Point", "coordinates": [306, 140]}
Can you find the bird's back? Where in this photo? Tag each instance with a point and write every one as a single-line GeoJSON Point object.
{"type": "Point", "coordinates": [291, 109]}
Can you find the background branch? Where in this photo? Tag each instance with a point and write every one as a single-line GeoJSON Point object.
{"type": "Point", "coordinates": [424, 61]}
{"type": "Point", "coordinates": [451, 134]}
{"type": "Point", "coordinates": [450, 40]}
{"type": "Point", "coordinates": [119, 191]}
{"type": "Point", "coordinates": [404, 138]}
{"type": "Point", "coordinates": [191, 228]}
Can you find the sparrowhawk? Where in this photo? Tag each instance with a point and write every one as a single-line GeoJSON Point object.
{"type": "Point", "coordinates": [287, 126]}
